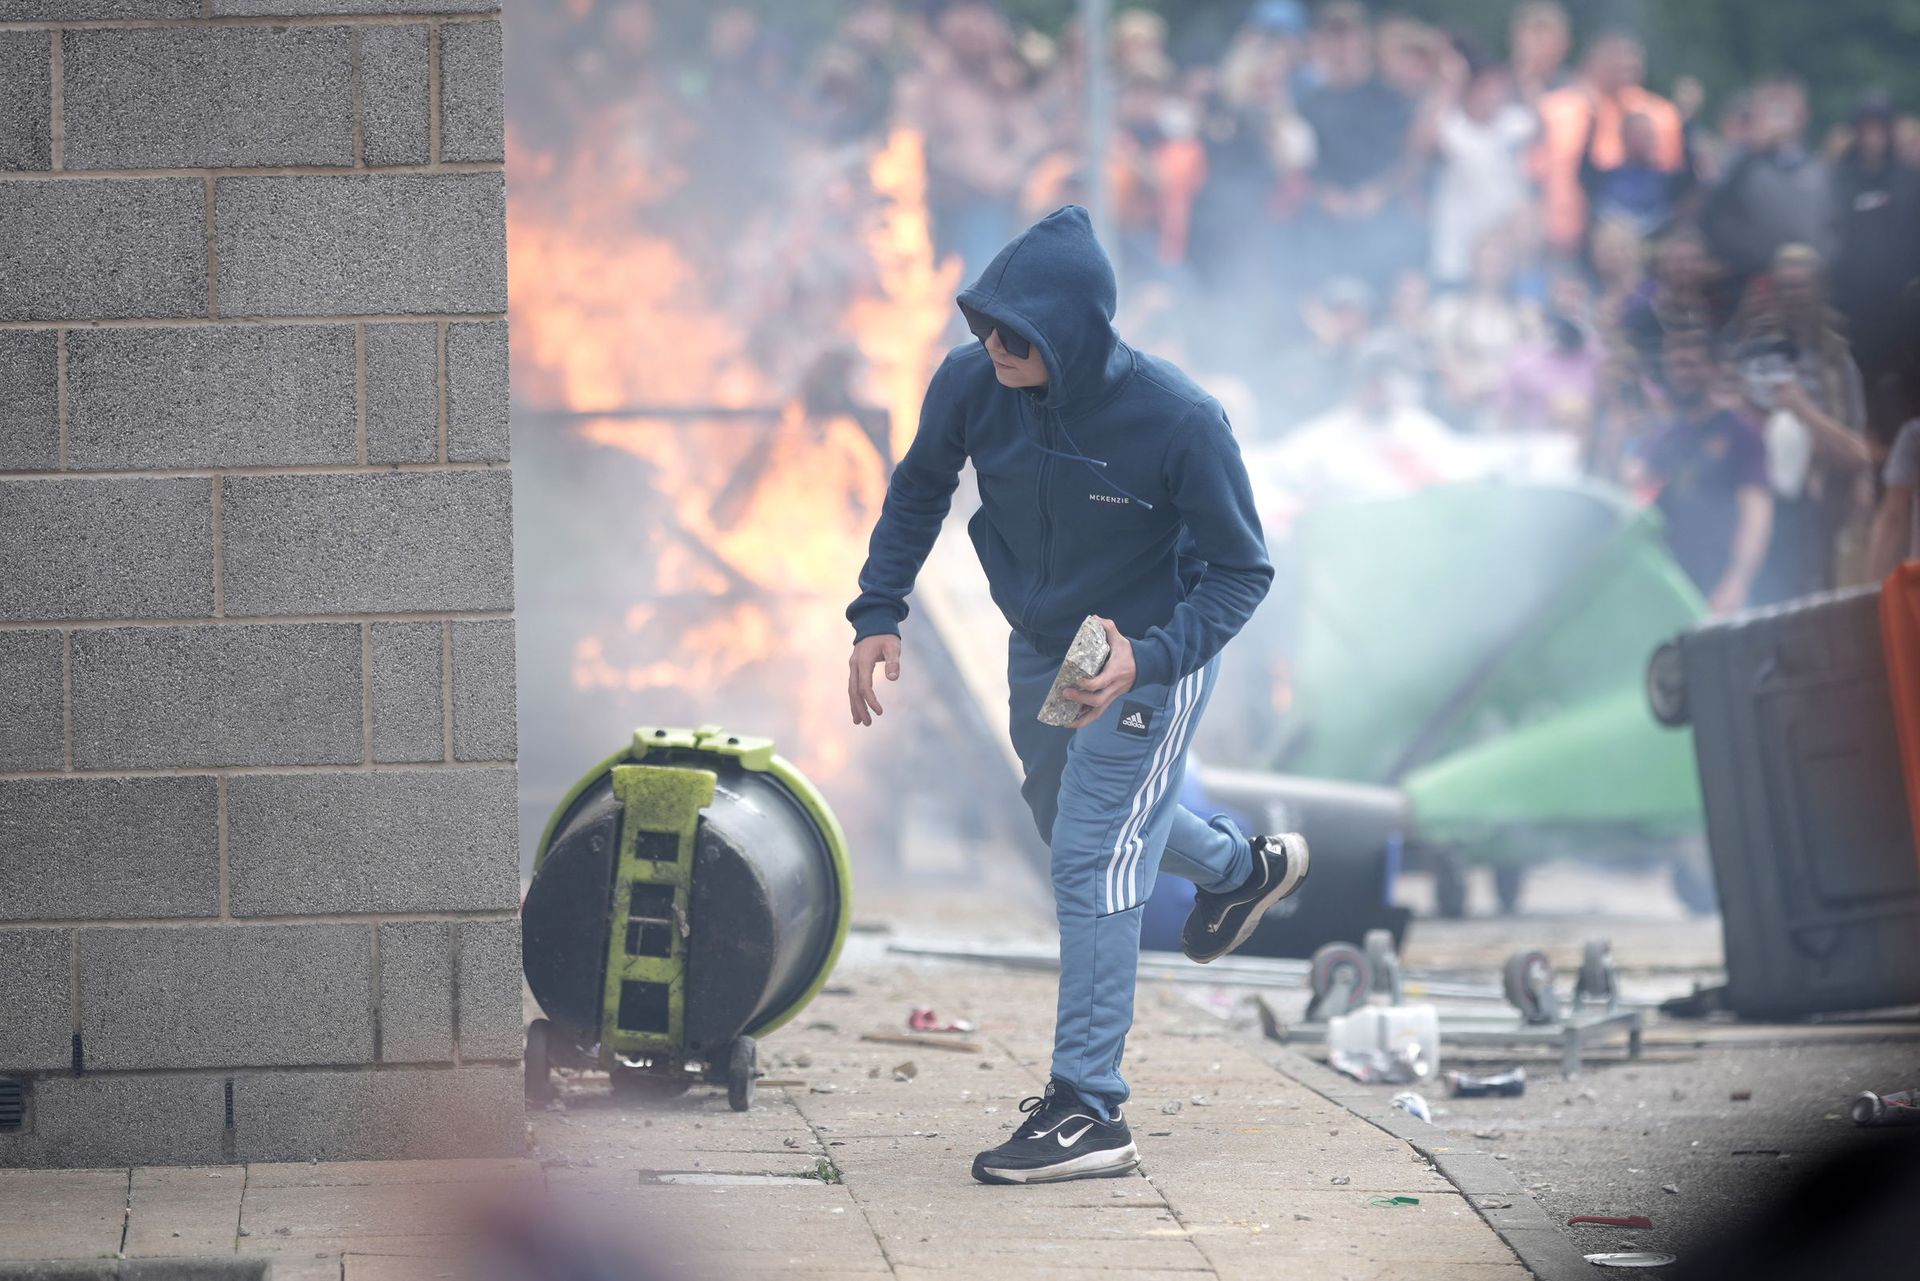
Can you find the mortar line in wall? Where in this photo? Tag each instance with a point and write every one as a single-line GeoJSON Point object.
{"type": "Point", "coordinates": [213, 256]}
{"type": "Point", "coordinates": [484, 915]}
{"type": "Point", "coordinates": [220, 828]}
{"type": "Point", "coordinates": [243, 771]}
{"type": "Point", "coordinates": [66, 699]}
{"type": "Point", "coordinates": [255, 171]}
{"type": "Point", "coordinates": [359, 112]}
{"type": "Point", "coordinates": [366, 693]}
{"type": "Point", "coordinates": [274, 1069]}
{"type": "Point", "coordinates": [267, 620]}
{"type": "Point", "coordinates": [360, 393]}
{"type": "Point", "coordinates": [73, 980]}
{"type": "Point", "coordinates": [433, 93]}
{"type": "Point", "coordinates": [60, 391]}
{"type": "Point", "coordinates": [57, 101]}
{"type": "Point", "coordinates": [440, 342]}
{"type": "Point", "coordinates": [219, 556]}
{"type": "Point", "coordinates": [373, 987]}
{"type": "Point", "coordinates": [453, 989]}
{"type": "Point", "coordinates": [291, 469]}
{"type": "Point", "coordinates": [202, 322]}
{"type": "Point", "coordinates": [446, 689]}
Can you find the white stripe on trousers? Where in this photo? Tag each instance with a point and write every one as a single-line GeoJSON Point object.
{"type": "Point", "coordinates": [1123, 842]}
{"type": "Point", "coordinates": [1128, 845]}
{"type": "Point", "coordinates": [1176, 737]}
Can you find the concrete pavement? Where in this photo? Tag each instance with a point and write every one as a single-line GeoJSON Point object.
{"type": "Point", "coordinates": [858, 1168]}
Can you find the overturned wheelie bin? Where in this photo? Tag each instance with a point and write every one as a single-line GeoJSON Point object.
{"type": "Point", "coordinates": [690, 894]}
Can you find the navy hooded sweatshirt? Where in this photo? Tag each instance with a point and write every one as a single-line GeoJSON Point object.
{"type": "Point", "coordinates": [1116, 489]}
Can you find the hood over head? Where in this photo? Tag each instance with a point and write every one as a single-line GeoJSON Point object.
{"type": "Point", "coordinates": [1054, 286]}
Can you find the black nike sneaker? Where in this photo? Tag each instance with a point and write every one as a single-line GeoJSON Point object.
{"type": "Point", "coordinates": [1062, 1138]}
{"type": "Point", "coordinates": [1221, 922]}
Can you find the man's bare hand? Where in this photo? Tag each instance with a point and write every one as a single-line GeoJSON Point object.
{"type": "Point", "coordinates": [1097, 693]}
{"type": "Point", "coordinates": [868, 653]}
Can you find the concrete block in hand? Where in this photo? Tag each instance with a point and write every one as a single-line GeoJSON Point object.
{"type": "Point", "coordinates": [1086, 657]}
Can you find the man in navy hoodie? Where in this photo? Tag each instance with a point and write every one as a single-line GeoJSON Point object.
{"type": "Point", "coordinates": [1110, 485]}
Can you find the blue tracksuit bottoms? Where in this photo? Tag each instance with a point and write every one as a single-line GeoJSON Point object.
{"type": "Point", "coordinates": [1103, 799]}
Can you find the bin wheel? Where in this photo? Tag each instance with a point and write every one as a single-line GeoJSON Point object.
{"type": "Point", "coordinates": [743, 1066]}
{"type": "Point", "coordinates": [1527, 981]}
{"type": "Point", "coordinates": [1340, 976]}
{"type": "Point", "coordinates": [1449, 884]}
{"type": "Point", "coordinates": [539, 1061]}
{"type": "Point", "coordinates": [1508, 880]}
{"type": "Point", "coordinates": [1667, 686]}
{"type": "Point", "coordinates": [643, 1084]}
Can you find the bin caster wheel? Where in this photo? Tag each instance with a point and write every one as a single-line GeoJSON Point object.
{"type": "Point", "coordinates": [1340, 976]}
{"type": "Point", "coordinates": [539, 1061]}
{"type": "Point", "coordinates": [1667, 686]}
{"type": "Point", "coordinates": [743, 1066]}
{"type": "Point", "coordinates": [638, 1083]}
{"type": "Point", "coordinates": [1528, 983]}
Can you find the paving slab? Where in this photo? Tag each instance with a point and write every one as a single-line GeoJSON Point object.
{"type": "Point", "coordinates": [176, 1210]}
{"type": "Point", "coordinates": [61, 1214]}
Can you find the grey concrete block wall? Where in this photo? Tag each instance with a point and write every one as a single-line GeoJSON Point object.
{"type": "Point", "coordinates": [104, 249]}
{"type": "Point", "coordinates": [395, 100]}
{"type": "Point", "coordinates": [147, 97]}
{"type": "Point", "coordinates": [83, 848]}
{"type": "Point", "coordinates": [26, 89]}
{"type": "Point", "coordinates": [87, 547]}
{"type": "Point", "coordinates": [403, 393]}
{"type": "Point", "coordinates": [387, 841]}
{"type": "Point", "coordinates": [243, 996]}
{"type": "Point", "coordinates": [409, 685]}
{"type": "Point", "coordinates": [220, 396]}
{"type": "Point", "coordinates": [36, 1000]}
{"type": "Point", "coordinates": [417, 991]}
{"type": "Point", "coordinates": [32, 721]}
{"type": "Point", "coordinates": [484, 727]}
{"type": "Point", "coordinates": [258, 855]}
{"type": "Point", "coordinates": [354, 244]}
{"type": "Point", "coordinates": [369, 543]}
{"type": "Point", "coordinates": [29, 400]}
{"type": "Point", "coordinates": [150, 697]}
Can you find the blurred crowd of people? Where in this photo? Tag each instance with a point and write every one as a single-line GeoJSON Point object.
{"type": "Point", "coordinates": [1400, 257]}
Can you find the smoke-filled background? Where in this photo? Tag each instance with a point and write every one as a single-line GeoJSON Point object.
{"type": "Point", "coordinates": [1439, 245]}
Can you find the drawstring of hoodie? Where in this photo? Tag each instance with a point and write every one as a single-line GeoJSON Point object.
{"type": "Point", "coordinates": [1095, 465]}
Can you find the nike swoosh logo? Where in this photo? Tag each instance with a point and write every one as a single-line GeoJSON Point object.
{"type": "Point", "coordinates": [1077, 1116]}
{"type": "Point", "coordinates": [1068, 1140]}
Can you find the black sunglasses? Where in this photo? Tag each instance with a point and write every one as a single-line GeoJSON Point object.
{"type": "Point", "coordinates": [983, 325]}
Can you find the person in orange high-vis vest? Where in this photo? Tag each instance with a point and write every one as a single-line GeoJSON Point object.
{"type": "Point", "coordinates": [1607, 91]}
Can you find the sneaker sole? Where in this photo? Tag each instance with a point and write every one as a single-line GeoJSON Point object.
{"type": "Point", "coordinates": [1299, 860]}
{"type": "Point", "coordinates": [1109, 1164]}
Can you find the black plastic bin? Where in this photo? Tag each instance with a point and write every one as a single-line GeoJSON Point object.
{"type": "Point", "coordinates": [1806, 810]}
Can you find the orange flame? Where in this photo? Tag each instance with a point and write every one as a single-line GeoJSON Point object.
{"type": "Point", "coordinates": [768, 517]}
